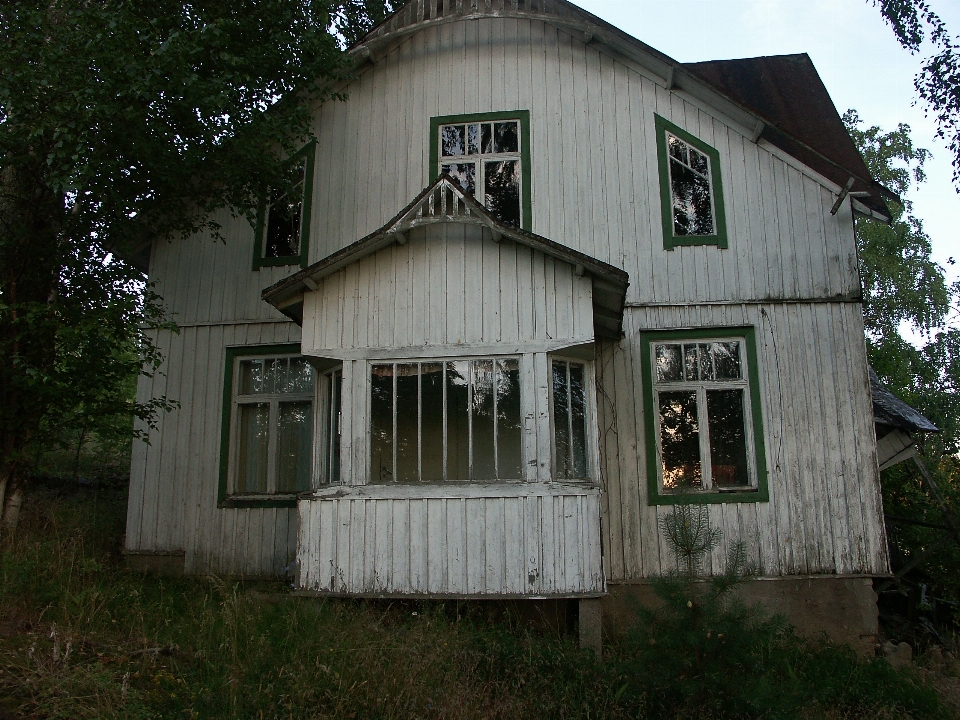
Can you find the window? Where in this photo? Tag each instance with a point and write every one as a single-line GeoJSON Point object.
{"type": "Point", "coordinates": [569, 420]}
{"type": "Point", "coordinates": [433, 421]}
{"type": "Point", "coordinates": [488, 154]}
{"type": "Point", "coordinates": [704, 429]}
{"type": "Point", "coordinates": [332, 389]}
{"type": "Point", "coordinates": [691, 196]}
{"type": "Point", "coordinates": [267, 426]}
{"type": "Point", "coordinates": [283, 223]}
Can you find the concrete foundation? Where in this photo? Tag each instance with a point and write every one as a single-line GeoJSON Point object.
{"type": "Point", "coordinates": [844, 609]}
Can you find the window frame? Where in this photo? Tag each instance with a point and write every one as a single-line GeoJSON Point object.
{"type": "Point", "coordinates": [755, 452]}
{"type": "Point", "coordinates": [307, 153]}
{"type": "Point", "coordinates": [325, 440]}
{"type": "Point", "coordinates": [671, 241]}
{"type": "Point", "coordinates": [590, 413]}
{"type": "Point", "coordinates": [523, 116]}
{"type": "Point", "coordinates": [225, 497]}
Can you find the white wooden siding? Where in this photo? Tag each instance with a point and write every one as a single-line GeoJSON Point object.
{"type": "Point", "coordinates": [595, 185]}
{"type": "Point", "coordinates": [448, 289]}
{"type": "Point", "coordinates": [173, 482]}
{"type": "Point", "coordinates": [824, 514]}
{"type": "Point", "coordinates": [494, 540]}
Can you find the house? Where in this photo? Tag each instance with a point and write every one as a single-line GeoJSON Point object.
{"type": "Point", "coordinates": [540, 283]}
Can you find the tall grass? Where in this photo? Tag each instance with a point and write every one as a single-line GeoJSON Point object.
{"type": "Point", "coordinates": [82, 637]}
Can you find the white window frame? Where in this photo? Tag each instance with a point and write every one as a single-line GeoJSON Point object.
{"type": "Point", "coordinates": [273, 399]}
{"type": "Point", "coordinates": [701, 387]}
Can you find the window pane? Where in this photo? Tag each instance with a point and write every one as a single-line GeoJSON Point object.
{"type": "Point", "coordinates": [465, 174]}
{"type": "Point", "coordinates": [300, 377]}
{"type": "Point", "coordinates": [561, 420]}
{"type": "Point", "coordinates": [431, 432]}
{"type": "Point", "coordinates": [728, 442]}
{"type": "Point", "coordinates": [407, 440]}
{"type": "Point", "coordinates": [698, 161]}
{"type": "Point", "coordinates": [506, 138]}
{"type": "Point", "coordinates": [691, 363]}
{"type": "Point", "coordinates": [669, 367]}
{"type": "Point", "coordinates": [706, 362]}
{"type": "Point", "coordinates": [381, 424]}
{"type": "Point", "coordinates": [578, 422]}
{"type": "Point", "coordinates": [677, 148]}
{"type": "Point", "coordinates": [502, 190]}
{"type": "Point", "coordinates": [274, 373]}
{"type": "Point", "coordinates": [692, 208]}
{"type": "Point", "coordinates": [283, 227]}
{"type": "Point", "coordinates": [473, 139]}
{"type": "Point", "coordinates": [295, 427]}
{"type": "Point", "coordinates": [251, 377]}
{"type": "Point", "coordinates": [680, 441]}
{"type": "Point", "coordinates": [509, 429]}
{"type": "Point", "coordinates": [484, 457]}
{"type": "Point", "coordinates": [486, 138]}
{"type": "Point", "coordinates": [253, 434]}
{"type": "Point", "coordinates": [726, 358]}
{"type": "Point", "coordinates": [458, 436]}
{"type": "Point", "coordinates": [333, 471]}
{"type": "Point", "coordinates": [452, 140]}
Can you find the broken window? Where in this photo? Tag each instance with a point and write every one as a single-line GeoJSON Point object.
{"type": "Point", "coordinates": [434, 421]}
{"type": "Point", "coordinates": [273, 425]}
{"type": "Point", "coordinates": [486, 159]}
{"type": "Point", "coordinates": [569, 420]}
{"type": "Point", "coordinates": [703, 415]}
{"type": "Point", "coordinates": [690, 192]}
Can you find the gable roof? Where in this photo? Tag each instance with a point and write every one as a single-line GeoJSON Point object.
{"type": "Point", "coordinates": [780, 97]}
{"type": "Point", "coordinates": [445, 201]}
{"type": "Point", "coordinates": [890, 410]}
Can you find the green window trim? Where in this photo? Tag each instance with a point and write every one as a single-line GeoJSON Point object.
{"type": "Point", "coordinates": [286, 500]}
{"type": "Point", "coordinates": [654, 497]}
{"type": "Point", "coordinates": [525, 170]}
{"type": "Point", "coordinates": [671, 241]}
{"type": "Point", "coordinates": [308, 152]}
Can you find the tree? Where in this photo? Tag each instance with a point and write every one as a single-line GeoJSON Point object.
{"type": "Point", "coordinates": [354, 18]}
{"type": "Point", "coordinates": [122, 123]}
{"type": "Point", "coordinates": [938, 82]}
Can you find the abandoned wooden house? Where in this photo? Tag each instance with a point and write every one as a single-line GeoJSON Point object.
{"type": "Point", "coordinates": [539, 283]}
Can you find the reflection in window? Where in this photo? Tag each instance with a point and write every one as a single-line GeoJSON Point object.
{"type": "Point", "coordinates": [703, 415]}
{"type": "Point", "coordinates": [485, 159]}
{"type": "Point", "coordinates": [453, 420]}
{"type": "Point", "coordinates": [283, 215]}
{"type": "Point", "coordinates": [273, 425]}
{"type": "Point", "coordinates": [690, 189]}
{"type": "Point", "coordinates": [569, 420]}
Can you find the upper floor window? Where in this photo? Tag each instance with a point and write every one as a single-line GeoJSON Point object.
{"type": "Point", "coordinates": [691, 195]}
{"type": "Point", "coordinates": [488, 154]}
{"type": "Point", "coordinates": [283, 224]}
{"type": "Point", "coordinates": [704, 419]}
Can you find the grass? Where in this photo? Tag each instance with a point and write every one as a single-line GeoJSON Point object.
{"type": "Point", "coordinates": [82, 637]}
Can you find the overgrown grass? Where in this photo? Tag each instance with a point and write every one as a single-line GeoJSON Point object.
{"type": "Point", "coordinates": [82, 637]}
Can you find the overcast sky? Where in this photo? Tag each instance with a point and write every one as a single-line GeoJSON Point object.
{"type": "Point", "coordinates": [854, 51]}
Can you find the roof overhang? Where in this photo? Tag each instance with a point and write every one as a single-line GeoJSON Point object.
{"type": "Point", "coordinates": [445, 201]}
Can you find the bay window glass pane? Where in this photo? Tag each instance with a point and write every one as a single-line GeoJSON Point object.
{"type": "Point", "coordinates": [431, 431]}
{"type": "Point", "coordinates": [726, 358]}
{"type": "Point", "coordinates": [561, 420]}
{"type": "Point", "coordinates": [465, 174]}
{"type": "Point", "coordinates": [407, 424]}
{"type": "Point", "coordinates": [509, 428]}
{"type": "Point", "coordinates": [669, 367]}
{"type": "Point", "coordinates": [253, 440]}
{"type": "Point", "coordinates": [381, 424]}
{"type": "Point", "coordinates": [506, 138]}
{"type": "Point", "coordinates": [484, 453]}
{"type": "Point", "coordinates": [502, 190]}
{"type": "Point", "coordinates": [333, 472]}
{"type": "Point", "coordinates": [294, 429]}
{"type": "Point", "coordinates": [680, 440]}
{"type": "Point", "coordinates": [452, 140]}
{"type": "Point", "coordinates": [473, 139]}
{"type": "Point", "coordinates": [578, 421]}
{"type": "Point", "coordinates": [458, 428]}
{"type": "Point", "coordinates": [728, 440]}
{"type": "Point", "coordinates": [251, 377]}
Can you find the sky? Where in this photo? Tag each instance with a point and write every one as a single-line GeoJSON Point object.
{"type": "Point", "coordinates": [855, 52]}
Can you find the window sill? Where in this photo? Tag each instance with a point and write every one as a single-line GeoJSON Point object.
{"type": "Point", "coordinates": [279, 261]}
{"type": "Point", "coordinates": [713, 497]}
{"type": "Point", "coordinates": [286, 500]}
{"type": "Point", "coordinates": [695, 241]}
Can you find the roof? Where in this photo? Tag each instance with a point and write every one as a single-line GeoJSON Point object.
{"type": "Point", "coordinates": [802, 120]}
{"type": "Point", "coordinates": [780, 98]}
{"type": "Point", "coordinates": [445, 201]}
{"type": "Point", "coordinates": [890, 410]}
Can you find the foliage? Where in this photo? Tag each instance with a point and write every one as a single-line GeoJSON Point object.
{"type": "Point", "coordinates": [353, 19]}
{"type": "Point", "coordinates": [938, 82]}
{"type": "Point", "coordinates": [123, 123]}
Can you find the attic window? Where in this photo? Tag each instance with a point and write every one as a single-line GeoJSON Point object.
{"type": "Point", "coordinates": [488, 155]}
{"type": "Point", "coordinates": [283, 224]}
{"type": "Point", "coordinates": [690, 191]}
